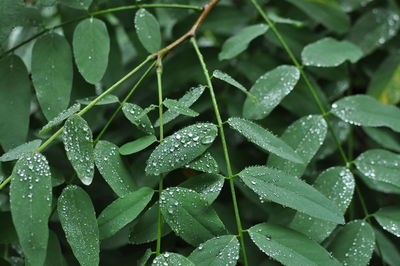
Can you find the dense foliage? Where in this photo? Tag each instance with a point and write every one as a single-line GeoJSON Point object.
{"type": "Point", "coordinates": [199, 133]}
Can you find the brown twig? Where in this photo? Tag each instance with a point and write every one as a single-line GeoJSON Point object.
{"type": "Point", "coordinates": [190, 33]}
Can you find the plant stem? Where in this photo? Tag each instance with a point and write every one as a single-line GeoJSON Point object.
{"type": "Point", "coordinates": [225, 149]}
{"type": "Point", "coordinates": [98, 13]}
{"type": "Point", "coordinates": [161, 139]}
{"type": "Point", "coordinates": [127, 97]}
{"type": "Point", "coordinates": [87, 108]}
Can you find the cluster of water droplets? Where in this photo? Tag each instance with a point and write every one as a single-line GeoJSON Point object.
{"type": "Point", "coordinates": [205, 163]}
{"type": "Point", "coordinates": [220, 250]}
{"type": "Point", "coordinates": [138, 117]}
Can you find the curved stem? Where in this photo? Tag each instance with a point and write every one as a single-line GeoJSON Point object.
{"type": "Point", "coordinates": [225, 149]}
{"type": "Point", "coordinates": [98, 13]}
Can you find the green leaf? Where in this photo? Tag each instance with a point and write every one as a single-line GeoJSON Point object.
{"type": "Point", "coordinates": [385, 137]}
{"type": "Point", "coordinates": [240, 41]}
{"type": "Point", "coordinates": [21, 150]}
{"type": "Point", "coordinates": [143, 261]}
{"type": "Point", "coordinates": [385, 85]}
{"type": "Point", "coordinates": [113, 169]}
{"type": "Point", "coordinates": [380, 165]}
{"type": "Point", "coordinates": [337, 184]}
{"type": "Point", "coordinates": [15, 103]}
{"type": "Point", "coordinates": [108, 99]}
{"type": "Point", "coordinates": [30, 203]}
{"type": "Point", "coordinates": [189, 215]}
{"type": "Point", "coordinates": [305, 136]}
{"type": "Point", "coordinates": [205, 163]}
{"type": "Point", "coordinates": [179, 108]}
{"type": "Point", "coordinates": [77, 138]}
{"type": "Point", "coordinates": [148, 30]}
{"type": "Point", "coordinates": [91, 45]}
{"type": "Point", "coordinates": [228, 79]}
{"type": "Point", "coordinates": [169, 258]}
{"type": "Point", "coordinates": [389, 219]}
{"type": "Point", "coordinates": [288, 246]}
{"type": "Point", "coordinates": [269, 90]}
{"type": "Point", "coordinates": [60, 118]}
{"type": "Point", "coordinates": [326, 12]}
{"type": "Point", "coordinates": [78, 220]}
{"type": "Point", "coordinates": [137, 145]}
{"type": "Point", "coordinates": [363, 110]}
{"type": "Point", "coordinates": [181, 147]}
{"type": "Point", "coordinates": [145, 230]}
{"type": "Point", "coordinates": [54, 253]}
{"type": "Point", "coordinates": [218, 251]}
{"type": "Point", "coordinates": [264, 139]}
{"type": "Point", "coordinates": [209, 186]}
{"type": "Point", "coordinates": [354, 243]}
{"type": "Point", "coordinates": [123, 211]}
{"type": "Point", "coordinates": [389, 251]}
{"type": "Point", "coordinates": [373, 29]}
{"type": "Point", "coordinates": [78, 4]}
{"type": "Point", "coordinates": [277, 186]}
{"type": "Point", "coordinates": [134, 113]}
{"type": "Point", "coordinates": [186, 100]}
{"type": "Point", "coordinates": [52, 73]}
{"type": "Point", "coordinates": [329, 52]}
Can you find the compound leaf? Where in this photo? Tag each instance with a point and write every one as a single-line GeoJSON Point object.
{"type": "Point", "coordinates": [189, 215]}
{"type": "Point", "coordinates": [122, 211]}
{"type": "Point", "coordinates": [269, 90]}
{"type": "Point", "coordinates": [91, 45]}
{"type": "Point", "coordinates": [78, 220]}
{"type": "Point", "coordinates": [77, 138]}
{"type": "Point", "coordinates": [277, 186]}
{"type": "Point", "coordinates": [113, 169]}
{"type": "Point", "coordinates": [30, 203]}
{"type": "Point", "coordinates": [181, 147]}
{"type": "Point", "coordinates": [52, 73]}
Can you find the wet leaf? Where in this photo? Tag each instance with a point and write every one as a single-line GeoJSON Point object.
{"type": "Point", "coordinates": [15, 103]}
{"type": "Point", "coordinates": [354, 243]}
{"type": "Point", "coordinates": [52, 73]}
{"type": "Point", "coordinates": [137, 145]}
{"type": "Point", "coordinates": [186, 100]}
{"type": "Point", "coordinates": [205, 163]}
{"type": "Point", "coordinates": [385, 137]}
{"type": "Point", "coordinates": [269, 90]}
{"type": "Point", "coordinates": [78, 4]}
{"type": "Point", "coordinates": [148, 30]}
{"type": "Point", "coordinates": [380, 165]}
{"type": "Point", "coordinates": [113, 169]}
{"type": "Point", "coordinates": [123, 211]}
{"type": "Point", "coordinates": [228, 79]}
{"type": "Point", "coordinates": [108, 99]}
{"type": "Point", "coordinates": [329, 52]}
{"type": "Point", "coordinates": [60, 118]}
{"type": "Point", "coordinates": [134, 113]}
{"type": "Point", "coordinates": [264, 139]}
{"type": "Point", "coordinates": [179, 108]}
{"type": "Point", "coordinates": [209, 186]}
{"type": "Point", "coordinates": [78, 220]}
{"type": "Point", "coordinates": [189, 215]}
{"type": "Point", "coordinates": [169, 258]}
{"type": "Point", "coordinates": [77, 138]}
{"type": "Point", "coordinates": [91, 45]}
{"type": "Point", "coordinates": [30, 203]}
{"type": "Point", "coordinates": [21, 150]}
{"type": "Point", "coordinates": [337, 184]}
{"type": "Point", "coordinates": [288, 246]}
{"type": "Point", "coordinates": [305, 136]}
{"type": "Point", "coordinates": [389, 219]}
{"type": "Point", "coordinates": [373, 29]}
{"type": "Point", "coordinates": [363, 110]}
{"type": "Point", "coordinates": [218, 251]}
{"type": "Point", "coordinates": [277, 186]}
{"type": "Point", "coordinates": [181, 147]}
{"type": "Point", "coordinates": [241, 40]}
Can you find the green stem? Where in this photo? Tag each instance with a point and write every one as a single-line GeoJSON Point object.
{"type": "Point", "coordinates": [225, 149]}
{"type": "Point", "coordinates": [87, 108]}
{"type": "Point", "coordinates": [98, 13]}
{"type": "Point", "coordinates": [127, 97]}
{"type": "Point", "coordinates": [161, 139]}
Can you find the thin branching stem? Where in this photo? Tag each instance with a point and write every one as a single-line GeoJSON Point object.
{"type": "Point", "coordinates": [225, 149]}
